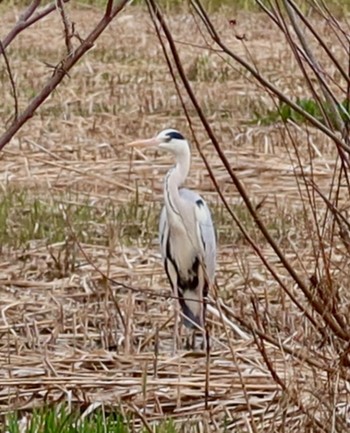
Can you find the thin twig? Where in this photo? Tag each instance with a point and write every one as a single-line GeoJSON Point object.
{"type": "Point", "coordinates": [330, 98]}
{"type": "Point", "coordinates": [67, 27]}
{"type": "Point", "coordinates": [266, 83]}
{"type": "Point", "coordinates": [27, 19]}
{"type": "Point", "coordinates": [12, 80]}
{"type": "Point", "coordinates": [60, 73]}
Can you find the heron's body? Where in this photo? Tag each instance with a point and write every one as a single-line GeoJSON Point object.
{"type": "Point", "coordinates": [186, 232]}
{"type": "Point", "coordinates": [189, 258]}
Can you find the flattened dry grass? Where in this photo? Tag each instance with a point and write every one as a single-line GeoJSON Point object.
{"type": "Point", "coordinates": [85, 308]}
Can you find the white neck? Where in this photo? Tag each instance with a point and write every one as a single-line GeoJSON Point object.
{"type": "Point", "coordinates": [174, 179]}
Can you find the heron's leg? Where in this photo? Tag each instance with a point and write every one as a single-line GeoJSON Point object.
{"type": "Point", "coordinates": [204, 341]}
{"type": "Point", "coordinates": [193, 339]}
{"type": "Point", "coordinates": [203, 332]}
{"type": "Point", "coordinates": [190, 339]}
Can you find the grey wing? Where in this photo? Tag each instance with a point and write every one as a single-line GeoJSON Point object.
{"type": "Point", "coordinates": [206, 229]}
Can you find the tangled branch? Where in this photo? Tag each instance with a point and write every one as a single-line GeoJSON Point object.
{"type": "Point", "coordinates": [64, 66]}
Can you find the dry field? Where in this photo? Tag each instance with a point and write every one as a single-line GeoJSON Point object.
{"type": "Point", "coordinates": [85, 309]}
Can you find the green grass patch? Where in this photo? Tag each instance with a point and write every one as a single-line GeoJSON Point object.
{"type": "Point", "coordinates": [60, 420]}
{"type": "Point", "coordinates": [25, 217]}
{"type": "Point", "coordinates": [284, 112]}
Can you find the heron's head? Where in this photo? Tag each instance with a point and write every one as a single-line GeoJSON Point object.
{"type": "Point", "coordinates": [169, 139]}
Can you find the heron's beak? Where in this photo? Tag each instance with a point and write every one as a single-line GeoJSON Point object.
{"type": "Point", "coordinates": [151, 142]}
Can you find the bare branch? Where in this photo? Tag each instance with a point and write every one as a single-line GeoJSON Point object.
{"type": "Point", "coordinates": [60, 72]}
{"type": "Point", "coordinates": [261, 346]}
{"type": "Point", "coordinates": [312, 358]}
{"type": "Point", "coordinates": [305, 53]}
{"type": "Point", "coordinates": [26, 20]}
{"type": "Point", "coordinates": [330, 98]}
{"type": "Point", "coordinates": [322, 43]}
{"type": "Point", "coordinates": [266, 83]}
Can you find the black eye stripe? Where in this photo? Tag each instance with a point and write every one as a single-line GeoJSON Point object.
{"type": "Point", "coordinates": [175, 135]}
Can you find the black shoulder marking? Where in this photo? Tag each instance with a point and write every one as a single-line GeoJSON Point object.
{"type": "Point", "coordinates": [199, 202]}
{"type": "Point", "coordinates": [195, 266]}
{"type": "Point", "coordinates": [203, 242]}
{"type": "Point", "coordinates": [176, 135]}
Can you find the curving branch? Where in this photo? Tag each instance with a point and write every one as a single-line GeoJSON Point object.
{"type": "Point", "coordinates": [265, 82]}
{"type": "Point", "coordinates": [27, 19]}
{"type": "Point", "coordinates": [61, 69]}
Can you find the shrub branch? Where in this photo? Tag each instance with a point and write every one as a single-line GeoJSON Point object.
{"type": "Point", "coordinates": [61, 69]}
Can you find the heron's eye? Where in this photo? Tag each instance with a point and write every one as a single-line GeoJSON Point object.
{"type": "Point", "coordinates": [167, 139]}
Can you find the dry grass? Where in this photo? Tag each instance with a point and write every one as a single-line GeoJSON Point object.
{"type": "Point", "coordinates": [62, 336]}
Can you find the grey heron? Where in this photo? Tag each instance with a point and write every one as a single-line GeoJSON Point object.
{"type": "Point", "coordinates": [186, 234]}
